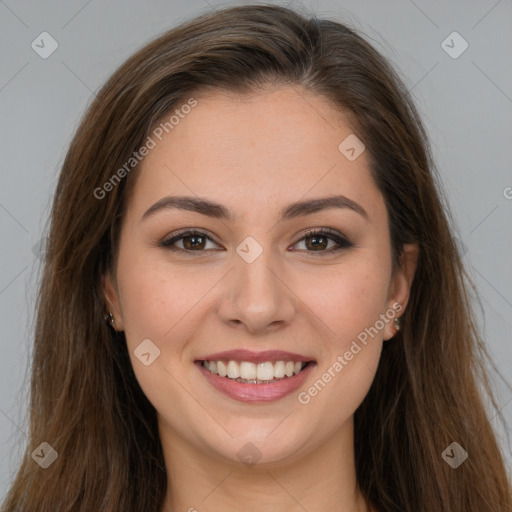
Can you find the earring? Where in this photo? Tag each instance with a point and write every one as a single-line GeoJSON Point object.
{"type": "Point", "coordinates": [397, 324]}
{"type": "Point", "coordinates": [110, 319]}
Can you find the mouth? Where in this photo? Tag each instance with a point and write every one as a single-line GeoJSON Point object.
{"type": "Point", "coordinates": [255, 376]}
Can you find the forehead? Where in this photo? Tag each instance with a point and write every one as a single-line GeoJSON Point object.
{"type": "Point", "coordinates": [280, 144]}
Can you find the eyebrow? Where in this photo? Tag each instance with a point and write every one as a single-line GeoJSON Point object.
{"type": "Point", "coordinates": [218, 211]}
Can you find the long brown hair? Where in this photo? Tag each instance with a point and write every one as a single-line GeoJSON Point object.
{"type": "Point", "coordinates": [430, 386]}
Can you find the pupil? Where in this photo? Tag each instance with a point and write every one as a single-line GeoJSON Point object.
{"type": "Point", "coordinates": [192, 241]}
{"type": "Point", "coordinates": [315, 239]}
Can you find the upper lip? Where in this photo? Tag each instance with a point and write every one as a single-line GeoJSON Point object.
{"type": "Point", "coordinates": [255, 357]}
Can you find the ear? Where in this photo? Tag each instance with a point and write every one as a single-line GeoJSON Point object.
{"type": "Point", "coordinates": [112, 303]}
{"type": "Point", "coordinates": [400, 286]}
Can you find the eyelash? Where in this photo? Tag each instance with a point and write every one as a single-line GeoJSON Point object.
{"type": "Point", "coordinates": [343, 243]}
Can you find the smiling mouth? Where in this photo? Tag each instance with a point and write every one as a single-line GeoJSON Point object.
{"type": "Point", "coordinates": [246, 372]}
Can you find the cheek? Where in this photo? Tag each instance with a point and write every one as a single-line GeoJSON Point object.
{"type": "Point", "coordinates": [350, 304]}
{"type": "Point", "coordinates": [158, 297]}
{"type": "Point", "coordinates": [348, 297]}
{"type": "Point", "coordinates": [159, 304]}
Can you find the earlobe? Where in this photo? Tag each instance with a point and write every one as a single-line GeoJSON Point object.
{"type": "Point", "coordinates": [112, 306]}
{"type": "Point", "coordinates": [400, 287]}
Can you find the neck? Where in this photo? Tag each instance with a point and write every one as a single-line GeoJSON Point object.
{"type": "Point", "coordinates": [318, 479]}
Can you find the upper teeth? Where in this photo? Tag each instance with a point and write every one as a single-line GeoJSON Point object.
{"type": "Point", "coordinates": [251, 371]}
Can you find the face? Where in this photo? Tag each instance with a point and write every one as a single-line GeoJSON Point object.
{"type": "Point", "coordinates": [258, 278]}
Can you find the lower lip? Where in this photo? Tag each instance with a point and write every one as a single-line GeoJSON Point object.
{"type": "Point", "coordinates": [256, 392]}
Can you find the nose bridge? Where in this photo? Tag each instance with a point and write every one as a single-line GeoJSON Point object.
{"type": "Point", "coordinates": [258, 296]}
{"type": "Point", "coordinates": [256, 288]}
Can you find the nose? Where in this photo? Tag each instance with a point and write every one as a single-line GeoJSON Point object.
{"type": "Point", "coordinates": [256, 297]}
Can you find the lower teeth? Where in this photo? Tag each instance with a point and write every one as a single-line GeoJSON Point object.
{"type": "Point", "coordinates": [244, 381]}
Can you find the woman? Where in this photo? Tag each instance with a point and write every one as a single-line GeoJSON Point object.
{"type": "Point", "coordinates": [252, 299]}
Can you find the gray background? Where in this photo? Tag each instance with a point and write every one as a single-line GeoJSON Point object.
{"type": "Point", "coordinates": [466, 104]}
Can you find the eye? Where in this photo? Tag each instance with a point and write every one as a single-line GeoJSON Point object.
{"type": "Point", "coordinates": [191, 240]}
{"type": "Point", "coordinates": [318, 240]}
